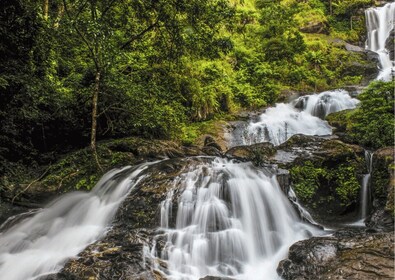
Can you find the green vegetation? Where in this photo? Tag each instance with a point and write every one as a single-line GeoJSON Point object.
{"type": "Point", "coordinates": [74, 72]}
{"type": "Point", "coordinates": [372, 123]}
{"type": "Point", "coordinates": [312, 182]}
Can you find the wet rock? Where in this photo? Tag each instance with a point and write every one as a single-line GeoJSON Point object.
{"type": "Point", "coordinates": [390, 44]}
{"type": "Point", "coordinates": [210, 142]}
{"type": "Point", "coordinates": [382, 186]}
{"type": "Point", "coordinates": [257, 153]}
{"type": "Point", "coordinates": [216, 278]}
{"type": "Point", "coordinates": [325, 174]}
{"type": "Point", "coordinates": [346, 255]}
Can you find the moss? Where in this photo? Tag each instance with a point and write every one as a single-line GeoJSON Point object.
{"type": "Point", "coordinates": [306, 179]}
{"type": "Point", "coordinates": [347, 185]}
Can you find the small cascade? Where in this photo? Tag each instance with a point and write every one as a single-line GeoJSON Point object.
{"type": "Point", "coordinates": [365, 190]}
{"type": "Point", "coordinates": [231, 220]}
{"type": "Point", "coordinates": [327, 102]}
{"type": "Point", "coordinates": [379, 23]}
{"type": "Point", "coordinates": [40, 244]}
{"type": "Point", "coordinates": [302, 116]}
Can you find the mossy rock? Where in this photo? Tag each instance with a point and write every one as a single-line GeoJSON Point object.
{"type": "Point", "coordinates": [78, 170]}
{"type": "Point", "coordinates": [382, 176]}
{"type": "Point", "coordinates": [257, 153]}
{"type": "Point", "coordinates": [326, 180]}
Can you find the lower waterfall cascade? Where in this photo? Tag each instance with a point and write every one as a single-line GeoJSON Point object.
{"type": "Point", "coordinates": [46, 240]}
{"type": "Point", "coordinates": [232, 220]}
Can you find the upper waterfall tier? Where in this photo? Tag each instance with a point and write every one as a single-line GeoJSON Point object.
{"type": "Point", "coordinates": [379, 24]}
{"type": "Point", "coordinates": [302, 116]}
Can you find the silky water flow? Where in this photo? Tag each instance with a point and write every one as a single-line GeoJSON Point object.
{"type": "Point", "coordinates": [231, 219]}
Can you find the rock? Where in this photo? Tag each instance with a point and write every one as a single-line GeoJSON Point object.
{"type": "Point", "coordinates": [257, 153]}
{"type": "Point", "coordinates": [325, 174]}
{"type": "Point", "coordinates": [210, 142]}
{"type": "Point", "coordinates": [390, 44]}
{"type": "Point", "coordinates": [382, 187]}
{"type": "Point", "coordinates": [353, 48]}
{"type": "Point", "coordinates": [216, 278]}
{"type": "Point", "coordinates": [368, 70]}
{"type": "Point", "coordinates": [348, 255]}
{"type": "Point", "coordinates": [314, 27]}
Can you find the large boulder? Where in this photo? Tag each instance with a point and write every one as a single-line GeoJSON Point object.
{"type": "Point", "coordinates": [390, 44]}
{"type": "Point", "coordinates": [382, 186]}
{"type": "Point", "coordinates": [325, 174]}
{"type": "Point", "coordinates": [345, 255]}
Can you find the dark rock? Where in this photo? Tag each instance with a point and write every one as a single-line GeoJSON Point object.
{"type": "Point", "coordinates": [257, 153]}
{"type": "Point", "coordinates": [211, 151]}
{"type": "Point", "coordinates": [382, 187]}
{"type": "Point", "coordinates": [348, 255]}
{"type": "Point", "coordinates": [216, 278]}
{"type": "Point", "coordinates": [368, 70]}
{"type": "Point", "coordinates": [210, 142]}
{"type": "Point", "coordinates": [322, 161]}
{"type": "Point", "coordinates": [390, 44]}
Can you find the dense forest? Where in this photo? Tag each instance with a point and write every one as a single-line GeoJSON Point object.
{"type": "Point", "coordinates": [74, 72]}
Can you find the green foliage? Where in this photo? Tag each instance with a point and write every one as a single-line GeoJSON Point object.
{"type": "Point", "coordinates": [163, 66]}
{"type": "Point", "coordinates": [306, 180]}
{"type": "Point", "coordinates": [347, 185]}
{"type": "Point", "coordinates": [372, 123]}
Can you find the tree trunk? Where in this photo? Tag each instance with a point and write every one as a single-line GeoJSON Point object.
{"type": "Point", "coordinates": [46, 9]}
{"type": "Point", "coordinates": [95, 99]}
{"type": "Point", "coordinates": [330, 7]}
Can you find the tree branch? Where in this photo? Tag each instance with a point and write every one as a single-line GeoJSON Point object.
{"type": "Point", "coordinates": [138, 36]}
{"type": "Point", "coordinates": [81, 34]}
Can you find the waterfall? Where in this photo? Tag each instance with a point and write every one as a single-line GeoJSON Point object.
{"type": "Point", "coordinates": [232, 220]}
{"type": "Point", "coordinates": [40, 245]}
{"type": "Point", "coordinates": [379, 24]}
{"type": "Point", "coordinates": [365, 190]}
{"type": "Point", "coordinates": [302, 116]}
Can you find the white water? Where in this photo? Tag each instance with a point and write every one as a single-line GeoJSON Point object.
{"type": "Point", "coordinates": [231, 220]}
{"type": "Point", "coordinates": [365, 190]}
{"type": "Point", "coordinates": [379, 23]}
{"type": "Point", "coordinates": [302, 116]}
{"type": "Point", "coordinates": [41, 244]}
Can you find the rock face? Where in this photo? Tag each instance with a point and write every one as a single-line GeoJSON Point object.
{"type": "Point", "coordinates": [390, 44]}
{"type": "Point", "coordinates": [325, 174]}
{"type": "Point", "coordinates": [382, 185]}
{"type": "Point", "coordinates": [346, 255]}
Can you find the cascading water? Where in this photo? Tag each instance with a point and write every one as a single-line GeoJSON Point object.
{"type": "Point", "coordinates": [302, 116]}
{"type": "Point", "coordinates": [40, 245]}
{"type": "Point", "coordinates": [232, 220]}
{"type": "Point", "coordinates": [365, 190]}
{"type": "Point", "coordinates": [379, 24]}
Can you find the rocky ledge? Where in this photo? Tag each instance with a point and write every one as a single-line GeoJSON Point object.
{"type": "Point", "coordinates": [345, 255]}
